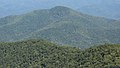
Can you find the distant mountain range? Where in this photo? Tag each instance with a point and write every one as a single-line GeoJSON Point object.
{"type": "Point", "coordinates": [104, 8]}
{"type": "Point", "coordinates": [61, 25]}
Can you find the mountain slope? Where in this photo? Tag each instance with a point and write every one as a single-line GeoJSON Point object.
{"type": "Point", "coordinates": [43, 54]}
{"type": "Point", "coordinates": [61, 25]}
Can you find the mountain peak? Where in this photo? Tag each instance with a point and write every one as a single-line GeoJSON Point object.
{"type": "Point", "coordinates": [60, 11]}
{"type": "Point", "coordinates": [60, 7]}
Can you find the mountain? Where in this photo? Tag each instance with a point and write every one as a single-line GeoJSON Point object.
{"type": "Point", "coordinates": [61, 25]}
{"type": "Point", "coordinates": [44, 54]}
{"type": "Point", "coordinates": [104, 8]}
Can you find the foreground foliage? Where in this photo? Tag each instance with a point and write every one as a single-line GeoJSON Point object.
{"type": "Point", "coordinates": [43, 54]}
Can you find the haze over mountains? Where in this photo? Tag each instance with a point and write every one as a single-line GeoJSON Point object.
{"type": "Point", "coordinates": [71, 35]}
{"type": "Point", "coordinates": [104, 8]}
{"type": "Point", "coordinates": [108, 9]}
{"type": "Point", "coordinates": [61, 25]}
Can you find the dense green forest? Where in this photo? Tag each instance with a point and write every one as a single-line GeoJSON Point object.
{"type": "Point", "coordinates": [61, 25]}
{"type": "Point", "coordinates": [44, 54]}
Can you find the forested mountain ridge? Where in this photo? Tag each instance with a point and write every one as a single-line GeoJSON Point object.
{"type": "Point", "coordinates": [44, 54]}
{"type": "Point", "coordinates": [61, 25]}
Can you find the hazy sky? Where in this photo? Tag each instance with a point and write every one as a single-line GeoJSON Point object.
{"type": "Point", "coordinates": [51, 3]}
{"type": "Point", "coordinates": [8, 7]}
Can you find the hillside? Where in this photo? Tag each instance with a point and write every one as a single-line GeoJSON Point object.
{"type": "Point", "coordinates": [104, 56]}
{"type": "Point", "coordinates": [36, 54]}
{"type": "Point", "coordinates": [61, 25]}
{"type": "Point", "coordinates": [43, 54]}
